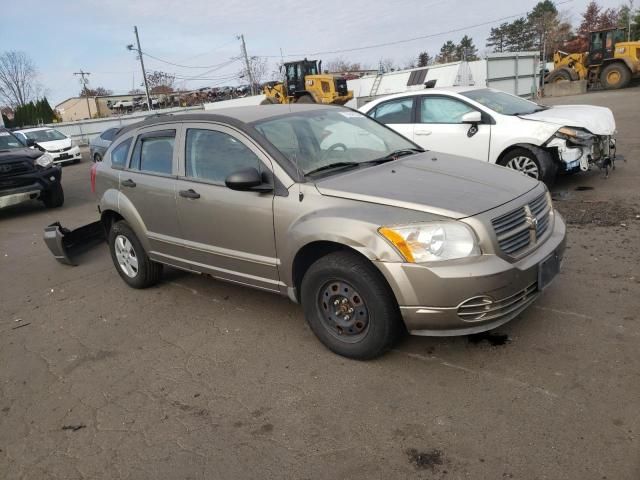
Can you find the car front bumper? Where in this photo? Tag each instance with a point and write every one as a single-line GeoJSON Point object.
{"type": "Point", "coordinates": [470, 296]}
{"type": "Point", "coordinates": [72, 155]}
{"type": "Point", "coordinates": [29, 186]}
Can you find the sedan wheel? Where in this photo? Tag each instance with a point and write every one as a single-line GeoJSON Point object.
{"type": "Point", "coordinates": [345, 313]}
{"type": "Point", "coordinates": [525, 165]}
{"type": "Point", "coordinates": [126, 255]}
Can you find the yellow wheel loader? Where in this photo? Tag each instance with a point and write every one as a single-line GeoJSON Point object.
{"type": "Point", "coordinates": [610, 62]}
{"type": "Point", "coordinates": [304, 83]}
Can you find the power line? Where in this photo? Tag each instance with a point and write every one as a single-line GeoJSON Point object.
{"type": "Point", "coordinates": [407, 40]}
{"type": "Point", "coordinates": [212, 50]}
{"type": "Point", "coordinates": [84, 82]}
{"type": "Point", "coordinates": [179, 65]}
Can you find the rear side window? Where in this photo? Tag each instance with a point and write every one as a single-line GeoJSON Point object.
{"type": "Point", "coordinates": [212, 156]}
{"type": "Point", "coordinates": [394, 111]}
{"type": "Point", "coordinates": [154, 152]}
{"type": "Point", "coordinates": [120, 153]}
{"type": "Point", "coordinates": [108, 134]}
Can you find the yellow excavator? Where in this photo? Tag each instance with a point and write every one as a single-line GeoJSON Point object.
{"type": "Point", "coordinates": [610, 61]}
{"type": "Point", "coordinates": [304, 83]}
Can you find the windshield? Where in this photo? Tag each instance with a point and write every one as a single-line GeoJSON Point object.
{"type": "Point", "coordinates": [9, 141]}
{"type": "Point", "coordinates": [503, 103]}
{"type": "Point", "coordinates": [320, 138]}
{"type": "Point", "coordinates": [47, 135]}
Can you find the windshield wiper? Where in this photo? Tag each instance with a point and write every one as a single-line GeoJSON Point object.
{"type": "Point", "coordinates": [529, 113]}
{"type": "Point", "coordinates": [334, 166]}
{"type": "Point", "coordinates": [393, 155]}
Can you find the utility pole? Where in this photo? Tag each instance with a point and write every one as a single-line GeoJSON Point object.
{"type": "Point", "coordinates": [630, 21]}
{"type": "Point", "coordinates": [84, 82]}
{"type": "Point", "coordinates": [246, 60]}
{"type": "Point", "coordinates": [144, 74]}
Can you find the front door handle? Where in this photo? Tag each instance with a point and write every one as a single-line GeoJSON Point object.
{"type": "Point", "coordinates": [423, 132]}
{"type": "Point", "coordinates": [129, 183]}
{"type": "Point", "coordinates": [191, 193]}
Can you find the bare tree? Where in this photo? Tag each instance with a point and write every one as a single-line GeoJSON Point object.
{"type": "Point", "coordinates": [160, 82]}
{"type": "Point", "coordinates": [259, 70]}
{"type": "Point", "coordinates": [340, 65]}
{"type": "Point", "coordinates": [17, 78]}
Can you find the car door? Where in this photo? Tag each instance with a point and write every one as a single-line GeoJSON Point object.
{"type": "Point", "coordinates": [440, 128]}
{"type": "Point", "coordinates": [148, 189]}
{"type": "Point", "coordinates": [227, 233]}
{"type": "Point", "coordinates": [398, 113]}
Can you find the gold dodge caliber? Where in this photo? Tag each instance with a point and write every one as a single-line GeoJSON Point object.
{"type": "Point", "coordinates": [323, 204]}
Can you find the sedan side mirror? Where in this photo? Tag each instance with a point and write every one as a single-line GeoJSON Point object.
{"type": "Point", "coordinates": [248, 179]}
{"type": "Point", "coordinates": [472, 117]}
{"type": "Point", "coordinates": [30, 142]}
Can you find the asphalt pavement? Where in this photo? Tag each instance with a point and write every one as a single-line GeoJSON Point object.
{"type": "Point", "coordinates": [197, 379]}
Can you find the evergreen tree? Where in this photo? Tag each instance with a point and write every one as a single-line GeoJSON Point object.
{"type": "Point", "coordinates": [424, 59]}
{"type": "Point", "coordinates": [466, 49]}
{"type": "Point", "coordinates": [447, 53]}
{"type": "Point", "coordinates": [498, 38]}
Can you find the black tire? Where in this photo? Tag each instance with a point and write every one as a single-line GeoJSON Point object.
{"type": "Point", "coordinates": [560, 75]}
{"type": "Point", "coordinates": [54, 197]}
{"type": "Point", "coordinates": [267, 101]}
{"type": "Point", "coordinates": [147, 272]}
{"type": "Point", "coordinates": [615, 76]}
{"type": "Point", "coordinates": [544, 164]}
{"type": "Point", "coordinates": [305, 99]}
{"type": "Point", "coordinates": [369, 292]}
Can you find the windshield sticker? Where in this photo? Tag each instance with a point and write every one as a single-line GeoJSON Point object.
{"type": "Point", "coordinates": [4, 134]}
{"type": "Point", "coordinates": [351, 114]}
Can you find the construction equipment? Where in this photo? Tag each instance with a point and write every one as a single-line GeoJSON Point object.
{"type": "Point", "coordinates": [610, 61]}
{"type": "Point", "coordinates": [304, 83]}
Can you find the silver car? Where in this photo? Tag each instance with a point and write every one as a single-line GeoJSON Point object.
{"type": "Point", "coordinates": [98, 145]}
{"type": "Point", "coordinates": [373, 235]}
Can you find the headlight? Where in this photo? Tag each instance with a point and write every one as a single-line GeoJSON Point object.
{"type": "Point", "coordinates": [433, 241]}
{"type": "Point", "coordinates": [575, 135]}
{"type": "Point", "coordinates": [44, 160]}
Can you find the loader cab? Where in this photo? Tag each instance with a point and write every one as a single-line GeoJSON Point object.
{"type": "Point", "coordinates": [295, 73]}
{"type": "Point", "coordinates": [602, 45]}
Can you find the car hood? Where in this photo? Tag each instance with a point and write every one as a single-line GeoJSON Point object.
{"type": "Point", "coordinates": [437, 183]}
{"type": "Point", "coordinates": [597, 120]}
{"type": "Point", "coordinates": [18, 154]}
{"type": "Point", "coordinates": [54, 145]}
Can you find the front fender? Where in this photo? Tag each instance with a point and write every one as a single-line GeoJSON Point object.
{"type": "Point", "coordinates": [133, 218]}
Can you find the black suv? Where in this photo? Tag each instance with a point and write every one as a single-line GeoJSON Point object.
{"type": "Point", "coordinates": [27, 173]}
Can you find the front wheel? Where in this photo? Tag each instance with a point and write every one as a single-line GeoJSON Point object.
{"type": "Point", "coordinates": [305, 99]}
{"type": "Point", "coordinates": [615, 75]}
{"type": "Point", "coordinates": [350, 307]}
{"type": "Point", "coordinates": [130, 259]}
{"type": "Point", "coordinates": [54, 197]}
{"type": "Point", "coordinates": [533, 162]}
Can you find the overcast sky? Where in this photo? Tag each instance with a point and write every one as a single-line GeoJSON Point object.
{"type": "Point", "coordinates": [65, 36]}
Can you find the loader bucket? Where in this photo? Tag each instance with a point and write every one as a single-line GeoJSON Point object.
{"type": "Point", "coordinates": [67, 244]}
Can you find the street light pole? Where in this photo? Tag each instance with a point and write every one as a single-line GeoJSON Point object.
{"type": "Point", "coordinates": [144, 74]}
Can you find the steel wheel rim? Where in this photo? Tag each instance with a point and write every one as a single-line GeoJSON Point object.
{"type": "Point", "coordinates": [126, 256]}
{"type": "Point", "coordinates": [524, 165]}
{"type": "Point", "coordinates": [613, 77]}
{"type": "Point", "coordinates": [343, 311]}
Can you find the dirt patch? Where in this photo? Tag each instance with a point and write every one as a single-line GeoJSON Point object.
{"type": "Point", "coordinates": [429, 459]}
{"type": "Point", "coordinates": [602, 213]}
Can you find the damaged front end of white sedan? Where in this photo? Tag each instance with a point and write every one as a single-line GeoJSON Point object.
{"type": "Point", "coordinates": [580, 150]}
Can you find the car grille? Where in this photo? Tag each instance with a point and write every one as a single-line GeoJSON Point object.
{"type": "Point", "coordinates": [15, 168]}
{"type": "Point", "coordinates": [60, 151]}
{"type": "Point", "coordinates": [485, 308]}
{"type": "Point", "coordinates": [515, 230]}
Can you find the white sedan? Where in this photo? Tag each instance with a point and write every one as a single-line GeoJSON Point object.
{"type": "Point", "coordinates": [49, 140]}
{"type": "Point", "coordinates": [494, 126]}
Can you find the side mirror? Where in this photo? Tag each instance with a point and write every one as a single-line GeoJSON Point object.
{"type": "Point", "coordinates": [248, 179]}
{"type": "Point", "coordinates": [30, 142]}
{"type": "Point", "coordinates": [472, 117]}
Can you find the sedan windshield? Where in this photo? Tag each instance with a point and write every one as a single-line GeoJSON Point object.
{"type": "Point", "coordinates": [329, 140]}
{"type": "Point", "coordinates": [47, 135]}
{"type": "Point", "coordinates": [8, 141]}
{"type": "Point", "coordinates": [503, 103]}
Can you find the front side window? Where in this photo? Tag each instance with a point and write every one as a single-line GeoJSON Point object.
{"type": "Point", "coordinates": [442, 110]}
{"type": "Point", "coordinates": [394, 111]}
{"type": "Point", "coordinates": [8, 141]}
{"type": "Point", "coordinates": [319, 138]}
{"type": "Point", "coordinates": [213, 156]}
{"type": "Point", "coordinates": [120, 153]}
{"type": "Point", "coordinates": [154, 153]}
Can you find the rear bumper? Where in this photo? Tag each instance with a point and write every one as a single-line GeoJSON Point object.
{"type": "Point", "coordinates": [21, 188]}
{"type": "Point", "coordinates": [66, 244]}
{"type": "Point", "coordinates": [436, 301]}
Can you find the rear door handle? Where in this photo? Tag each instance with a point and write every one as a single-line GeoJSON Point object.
{"type": "Point", "coordinates": [128, 183]}
{"type": "Point", "coordinates": [191, 193]}
{"type": "Point", "coordinates": [423, 132]}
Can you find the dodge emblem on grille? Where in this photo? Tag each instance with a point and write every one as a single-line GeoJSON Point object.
{"type": "Point", "coordinates": [532, 222]}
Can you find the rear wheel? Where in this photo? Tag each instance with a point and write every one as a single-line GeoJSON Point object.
{"type": "Point", "coordinates": [305, 99]}
{"type": "Point", "coordinates": [349, 306]}
{"type": "Point", "coordinates": [533, 162]}
{"type": "Point", "coordinates": [130, 259]}
{"type": "Point", "coordinates": [54, 197]}
{"type": "Point", "coordinates": [560, 75]}
{"type": "Point", "coordinates": [615, 75]}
